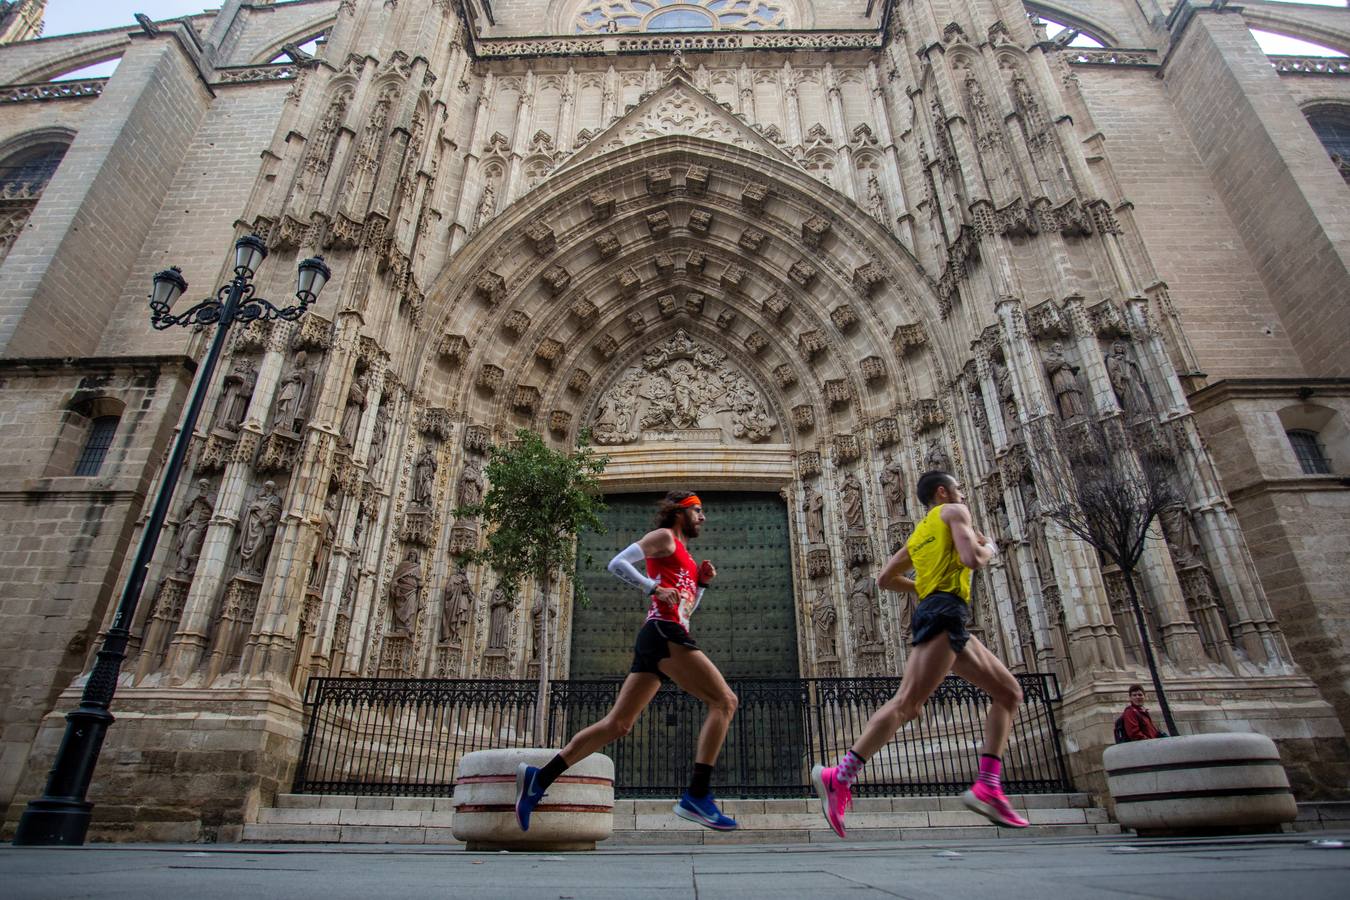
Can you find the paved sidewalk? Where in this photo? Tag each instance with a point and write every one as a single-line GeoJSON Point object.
{"type": "Point", "coordinates": [1305, 867]}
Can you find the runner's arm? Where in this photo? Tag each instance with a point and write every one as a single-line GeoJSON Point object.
{"type": "Point", "coordinates": [624, 567]}
{"type": "Point", "coordinates": [893, 577]}
{"type": "Point", "coordinates": [973, 554]}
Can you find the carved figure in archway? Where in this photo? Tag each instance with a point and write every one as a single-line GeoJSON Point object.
{"type": "Point", "coordinates": [233, 403]}
{"type": "Point", "coordinates": [379, 438]}
{"type": "Point", "coordinates": [405, 589]}
{"type": "Point", "coordinates": [327, 538]}
{"type": "Point", "coordinates": [1064, 383]}
{"type": "Point", "coordinates": [863, 608]}
{"type": "Point", "coordinates": [470, 484]}
{"type": "Point", "coordinates": [455, 605]}
{"type": "Point", "coordinates": [936, 458]}
{"type": "Point", "coordinates": [291, 408]}
{"type": "Point", "coordinates": [681, 385]}
{"type": "Point", "coordinates": [351, 415]}
{"type": "Point", "coordinates": [893, 488]}
{"type": "Point", "coordinates": [851, 495]}
{"type": "Point", "coordinates": [192, 530]}
{"type": "Point", "coordinates": [260, 527]}
{"type": "Point", "coordinates": [824, 619]}
{"type": "Point", "coordinates": [424, 478]}
{"type": "Point", "coordinates": [1127, 381]}
{"type": "Point", "coordinates": [813, 505]}
{"type": "Point", "coordinates": [499, 627]}
{"type": "Point", "coordinates": [1179, 531]}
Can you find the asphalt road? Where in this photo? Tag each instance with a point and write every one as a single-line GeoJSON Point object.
{"type": "Point", "coordinates": [1286, 867]}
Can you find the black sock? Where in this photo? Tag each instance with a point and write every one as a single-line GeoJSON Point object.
{"type": "Point", "coordinates": [549, 773]}
{"type": "Point", "coordinates": [698, 785]}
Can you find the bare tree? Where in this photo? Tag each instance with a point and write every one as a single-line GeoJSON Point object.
{"type": "Point", "coordinates": [1107, 484]}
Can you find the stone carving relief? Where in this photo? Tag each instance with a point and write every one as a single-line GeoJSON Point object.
{"type": "Point", "coordinates": [499, 625]}
{"type": "Point", "coordinates": [233, 403]}
{"type": "Point", "coordinates": [825, 621]}
{"type": "Point", "coordinates": [192, 530]}
{"type": "Point", "coordinates": [470, 484]}
{"type": "Point", "coordinates": [863, 608]}
{"type": "Point", "coordinates": [455, 604]}
{"type": "Point", "coordinates": [813, 505]}
{"type": "Point", "coordinates": [424, 478]}
{"type": "Point", "coordinates": [893, 488]}
{"type": "Point", "coordinates": [1127, 381]}
{"type": "Point", "coordinates": [405, 589]}
{"type": "Point", "coordinates": [291, 407]}
{"type": "Point", "coordinates": [1064, 383]}
{"type": "Point", "coordinates": [682, 386]}
{"type": "Point", "coordinates": [260, 527]}
{"type": "Point", "coordinates": [351, 414]}
{"type": "Point", "coordinates": [851, 496]}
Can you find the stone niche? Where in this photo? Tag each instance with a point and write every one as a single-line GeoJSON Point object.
{"type": "Point", "coordinates": [683, 389]}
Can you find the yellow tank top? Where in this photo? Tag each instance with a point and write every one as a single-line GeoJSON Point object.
{"type": "Point", "coordinates": [937, 567]}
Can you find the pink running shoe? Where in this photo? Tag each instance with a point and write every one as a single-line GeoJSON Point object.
{"type": "Point", "coordinates": [993, 805]}
{"type": "Point", "coordinates": [835, 796]}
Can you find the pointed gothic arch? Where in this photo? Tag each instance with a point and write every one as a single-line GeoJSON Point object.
{"type": "Point", "coordinates": [806, 292]}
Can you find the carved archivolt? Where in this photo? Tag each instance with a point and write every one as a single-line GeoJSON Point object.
{"type": "Point", "coordinates": [682, 385]}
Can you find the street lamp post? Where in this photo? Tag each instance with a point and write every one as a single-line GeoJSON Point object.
{"type": "Point", "coordinates": [61, 815]}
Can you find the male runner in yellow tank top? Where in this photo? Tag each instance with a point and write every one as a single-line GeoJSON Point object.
{"type": "Point", "coordinates": [942, 551]}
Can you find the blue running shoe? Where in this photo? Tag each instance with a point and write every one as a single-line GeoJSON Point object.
{"type": "Point", "coordinates": [527, 794]}
{"type": "Point", "coordinates": [704, 811]}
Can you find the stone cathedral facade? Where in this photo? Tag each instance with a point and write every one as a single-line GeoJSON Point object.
{"type": "Point", "coordinates": [806, 249]}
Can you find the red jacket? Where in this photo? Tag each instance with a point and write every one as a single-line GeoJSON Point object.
{"type": "Point", "coordinates": [1138, 725]}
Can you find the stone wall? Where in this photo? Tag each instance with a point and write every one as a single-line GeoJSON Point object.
{"type": "Point", "coordinates": [65, 536]}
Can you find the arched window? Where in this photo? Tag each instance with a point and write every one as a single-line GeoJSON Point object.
{"type": "Point", "coordinates": [601, 16]}
{"type": "Point", "coordinates": [1331, 124]}
{"type": "Point", "coordinates": [101, 432]}
{"type": "Point", "coordinates": [1311, 457]}
{"type": "Point", "coordinates": [23, 177]}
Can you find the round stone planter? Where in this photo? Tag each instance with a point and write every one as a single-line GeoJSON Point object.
{"type": "Point", "coordinates": [1210, 783]}
{"type": "Point", "coordinates": [577, 811]}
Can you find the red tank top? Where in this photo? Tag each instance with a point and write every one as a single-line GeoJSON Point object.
{"type": "Point", "coordinates": [676, 571]}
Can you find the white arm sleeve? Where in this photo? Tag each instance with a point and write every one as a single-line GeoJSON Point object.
{"type": "Point", "coordinates": [624, 567]}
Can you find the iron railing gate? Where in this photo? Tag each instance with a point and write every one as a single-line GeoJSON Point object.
{"type": "Point", "coordinates": [405, 736]}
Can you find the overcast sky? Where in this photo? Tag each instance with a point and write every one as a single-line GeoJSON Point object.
{"type": "Point", "coordinates": [70, 16]}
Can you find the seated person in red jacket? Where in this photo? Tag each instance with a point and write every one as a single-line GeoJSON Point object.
{"type": "Point", "coordinates": [1138, 725]}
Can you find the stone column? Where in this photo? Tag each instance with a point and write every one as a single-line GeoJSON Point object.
{"type": "Point", "coordinates": [1254, 626]}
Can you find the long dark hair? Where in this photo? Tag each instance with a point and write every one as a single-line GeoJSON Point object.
{"type": "Point", "coordinates": [669, 507]}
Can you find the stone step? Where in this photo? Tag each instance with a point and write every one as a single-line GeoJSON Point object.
{"type": "Point", "coordinates": [310, 818]}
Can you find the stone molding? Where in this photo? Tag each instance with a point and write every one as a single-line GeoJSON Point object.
{"type": "Point", "coordinates": [53, 90]}
{"type": "Point", "coordinates": [611, 44]}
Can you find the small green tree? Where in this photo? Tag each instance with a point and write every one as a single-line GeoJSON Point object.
{"type": "Point", "coordinates": [537, 502]}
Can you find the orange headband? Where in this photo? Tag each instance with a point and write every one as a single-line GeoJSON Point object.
{"type": "Point", "coordinates": [691, 500]}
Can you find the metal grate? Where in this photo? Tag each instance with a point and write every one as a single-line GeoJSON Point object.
{"type": "Point", "coordinates": [1311, 457]}
{"type": "Point", "coordinates": [101, 433]}
{"type": "Point", "coordinates": [405, 736]}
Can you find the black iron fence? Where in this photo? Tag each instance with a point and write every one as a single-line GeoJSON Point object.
{"type": "Point", "coordinates": [405, 736]}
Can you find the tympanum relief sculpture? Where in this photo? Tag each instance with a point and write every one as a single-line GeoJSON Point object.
{"type": "Point", "coordinates": [682, 386]}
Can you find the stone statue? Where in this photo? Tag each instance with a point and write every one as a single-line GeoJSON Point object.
{"type": "Point", "coordinates": [536, 623]}
{"type": "Point", "coordinates": [876, 206]}
{"type": "Point", "coordinates": [260, 527]}
{"type": "Point", "coordinates": [499, 626]}
{"type": "Point", "coordinates": [1179, 531]}
{"type": "Point", "coordinates": [936, 459]}
{"type": "Point", "coordinates": [470, 484]}
{"type": "Point", "coordinates": [863, 609]}
{"type": "Point", "coordinates": [356, 404]}
{"type": "Point", "coordinates": [233, 403]}
{"type": "Point", "coordinates": [424, 478]}
{"type": "Point", "coordinates": [893, 488]}
{"type": "Point", "coordinates": [291, 407]}
{"type": "Point", "coordinates": [327, 538]}
{"type": "Point", "coordinates": [1064, 383]}
{"type": "Point", "coordinates": [378, 439]}
{"type": "Point", "coordinates": [404, 590]}
{"type": "Point", "coordinates": [813, 504]}
{"type": "Point", "coordinates": [455, 605]}
{"type": "Point", "coordinates": [825, 619]}
{"type": "Point", "coordinates": [192, 530]}
{"type": "Point", "coordinates": [1127, 381]}
{"type": "Point", "coordinates": [487, 205]}
{"type": "Point", "coordinates": [851, 495]}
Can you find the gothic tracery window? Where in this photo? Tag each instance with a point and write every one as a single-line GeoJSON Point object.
{"type": "Point", "coordinates": [610, 16]}
{"type": "Point", "coordinates": [23, 178]}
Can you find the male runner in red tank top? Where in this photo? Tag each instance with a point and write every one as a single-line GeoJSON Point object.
{"type": "Point", "coordinates": [664, 651]}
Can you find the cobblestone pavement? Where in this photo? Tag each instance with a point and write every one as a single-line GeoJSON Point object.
{"type": "Point", "coordinates": [1293, 866]}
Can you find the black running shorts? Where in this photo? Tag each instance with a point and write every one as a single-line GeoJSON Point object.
{"type": "Point", "coordinates": [938, 613]}
{"type": "Point", "coordinates": [653, 645]}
